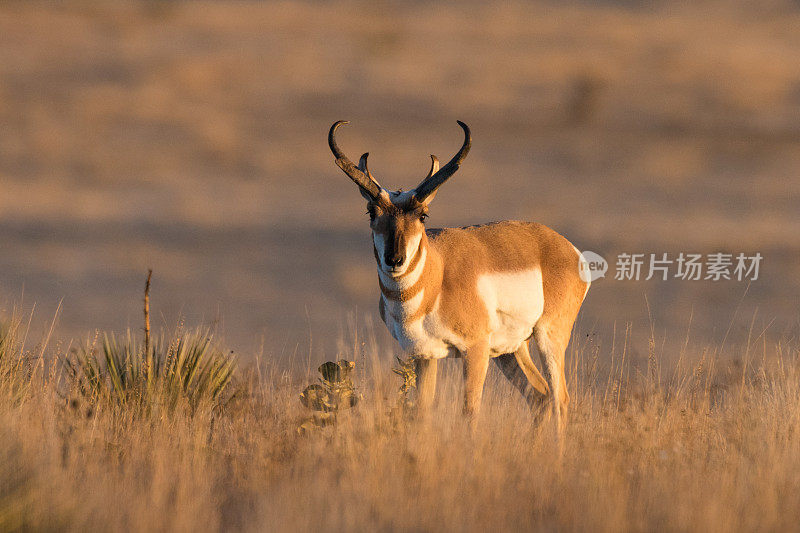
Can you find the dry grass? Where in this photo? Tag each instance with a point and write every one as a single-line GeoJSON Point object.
{"type": "Point", "coordinates": [688, 447]}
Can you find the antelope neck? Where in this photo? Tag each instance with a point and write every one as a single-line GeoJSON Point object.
{"type": "Point", "coordinates": [423, 274]}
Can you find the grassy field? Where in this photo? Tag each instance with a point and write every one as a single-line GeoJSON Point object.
{"type": "Point", "coordinates": [706, 446]}
{"type": "Point", "coordinates": [189, 137]}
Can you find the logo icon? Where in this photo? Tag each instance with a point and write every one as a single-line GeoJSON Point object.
{"type": "Point", "coordinates": [592, 266]}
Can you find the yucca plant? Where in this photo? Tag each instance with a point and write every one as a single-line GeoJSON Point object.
{"type": "Point", "coordinates": [189, 368]}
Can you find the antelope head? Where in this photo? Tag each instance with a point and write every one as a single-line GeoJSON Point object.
{"type": "Point", "coordinates": [397, 218]}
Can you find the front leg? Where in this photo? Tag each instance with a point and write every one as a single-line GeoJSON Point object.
{"type": "Point", "coordinates": [426, 382]}
{"type": "Point", "coordinates": [476, 364]}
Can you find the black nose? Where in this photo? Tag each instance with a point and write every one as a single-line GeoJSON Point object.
{"type": "Point", "coordinates": [394, 260]}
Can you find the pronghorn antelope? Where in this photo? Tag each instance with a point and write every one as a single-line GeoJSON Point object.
{"type": "Point", "coordinates": [478, 292]}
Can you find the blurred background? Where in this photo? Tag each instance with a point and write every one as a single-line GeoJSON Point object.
{"type": "Point", "coordinates": [190, 137]}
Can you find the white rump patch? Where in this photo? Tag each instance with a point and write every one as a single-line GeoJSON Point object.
{"type": "Point", "coordinates": [584, 270]}
{"type": "Point", "coordinates": [515, 302]}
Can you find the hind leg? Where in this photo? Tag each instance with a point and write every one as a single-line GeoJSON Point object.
{"type": "Point", "coordinates": [552, 338]}
{"type": "Point", "coordinates": [552, 334]}
{"type": "Point", "coordinates": [519, 369]}
{"type": "Point", "coordinates": [523, 358]}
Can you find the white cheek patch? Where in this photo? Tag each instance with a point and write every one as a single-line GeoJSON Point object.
{"type": "Point", "coordinates": [411, 250]}
{"type": "Point", "coordinates": [412, 246]}
{"type": "Point", "coordinates": [408, 278]}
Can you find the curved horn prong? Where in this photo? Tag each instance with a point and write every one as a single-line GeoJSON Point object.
{"type": "Point", "coordinates": [434, 167]}
{"type": "Point", "coordinates": [366, 182]}
{"type": "Point", "coordinates": [337, 152]}
{"type": "Point", "coordinates": [430, 184]}
{"type": "Point", "coordinates": [362, 166]}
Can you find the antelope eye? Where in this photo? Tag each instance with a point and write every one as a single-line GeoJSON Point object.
{"type": "Point", "coordinates": [422, 218]}
{"type": "Point", "coordinates": [371, 213]}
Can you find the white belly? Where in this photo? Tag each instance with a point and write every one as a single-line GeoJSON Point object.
{"type": "Point", "coordinates": [515, 302]}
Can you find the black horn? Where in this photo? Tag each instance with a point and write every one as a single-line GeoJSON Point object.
{"type": "Point", "coordinates": [433, 182]}
{"type": "Point", "coordinates": [366, 182]}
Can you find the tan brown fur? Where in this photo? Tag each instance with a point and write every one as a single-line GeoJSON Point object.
{"type": "Point", "coordinates": [500, 247]}
{"type": "Point", "coordinates": [443, 311]}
